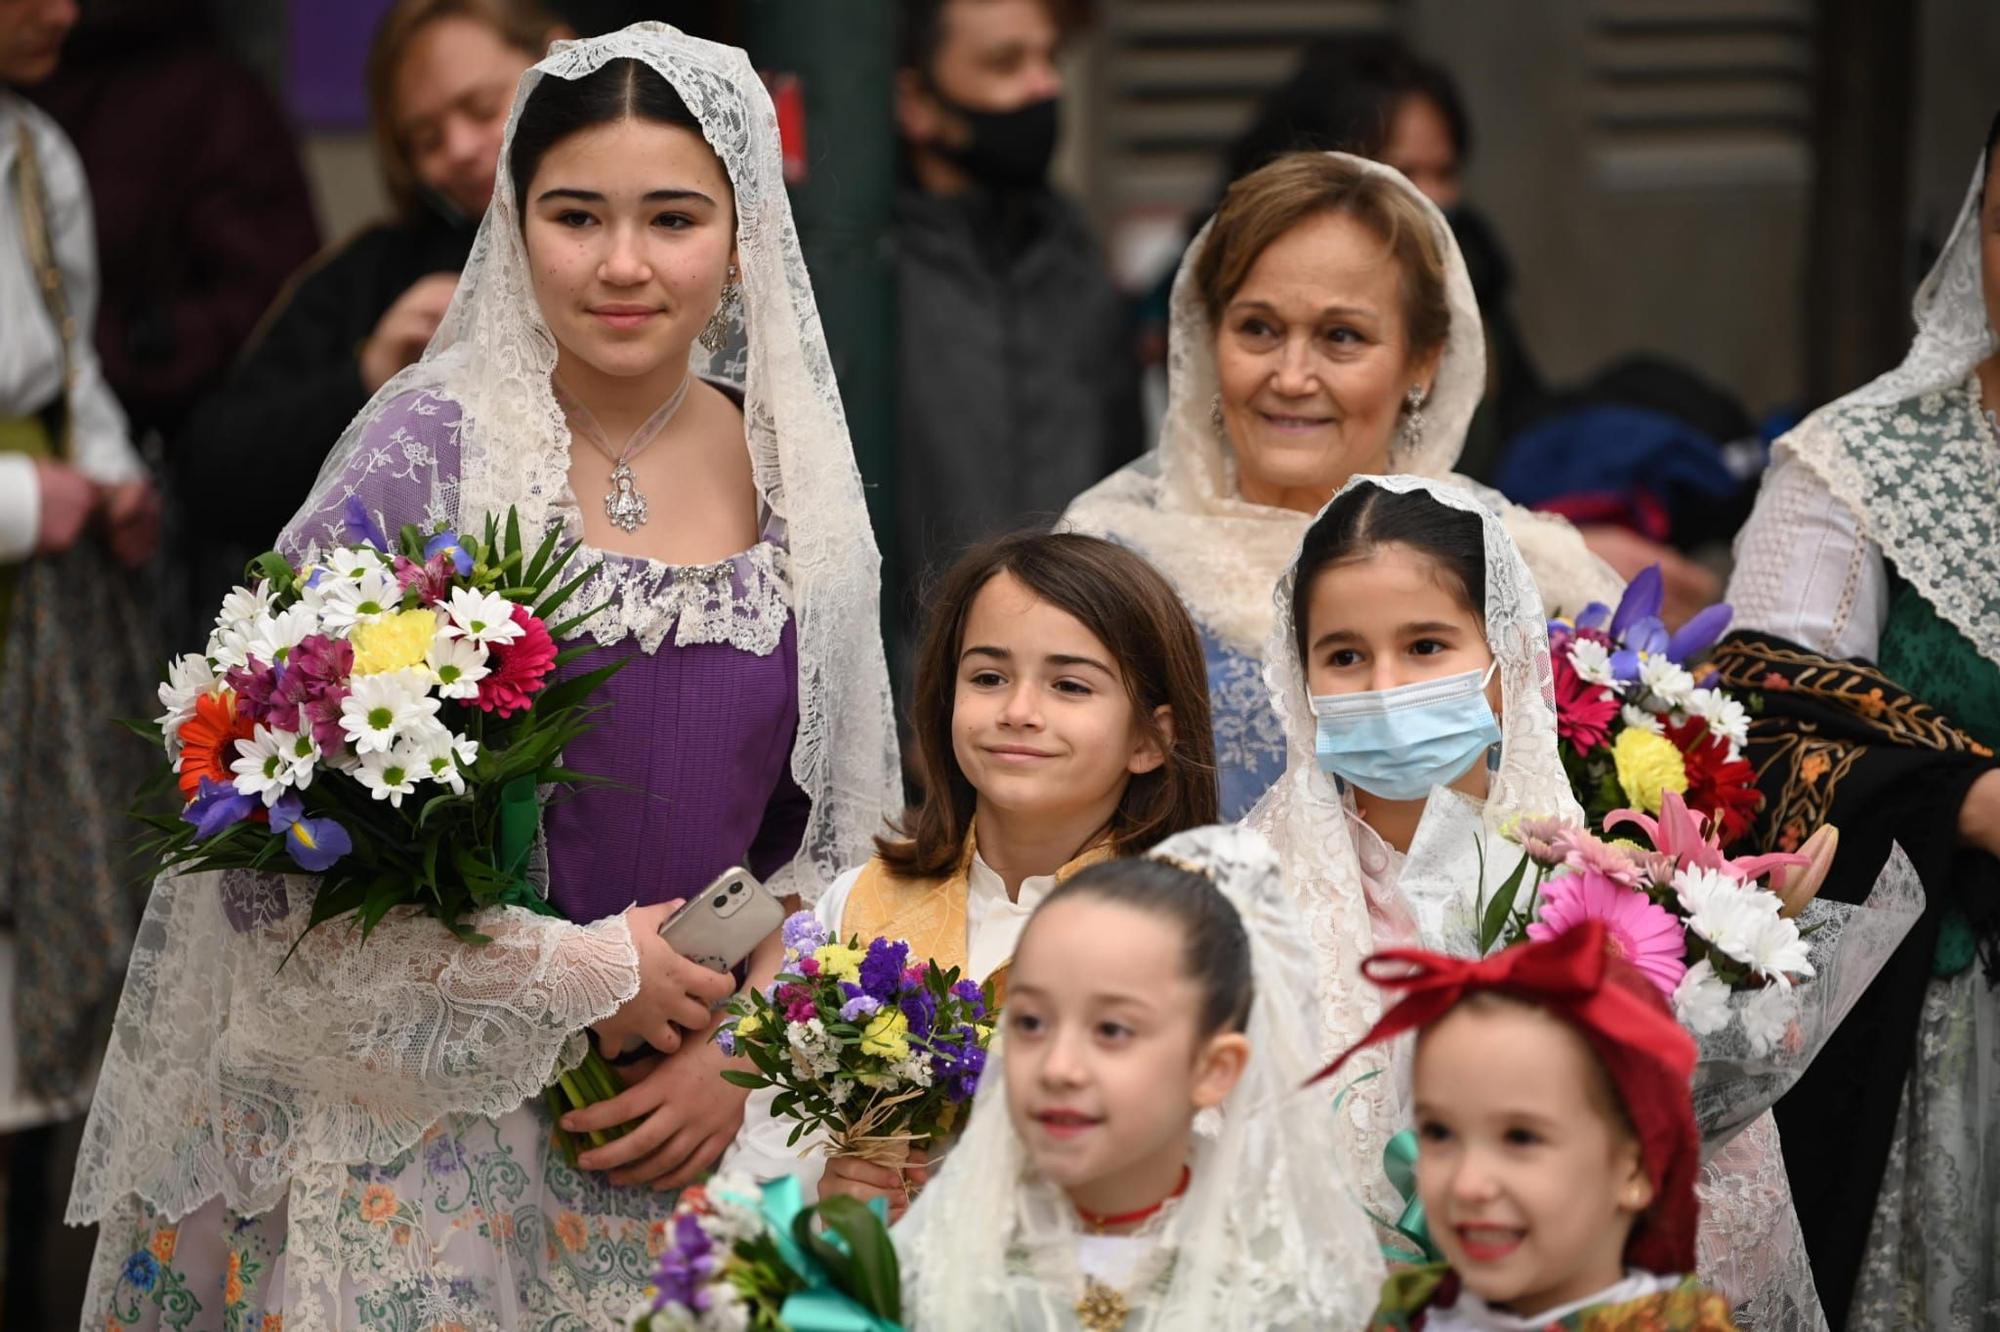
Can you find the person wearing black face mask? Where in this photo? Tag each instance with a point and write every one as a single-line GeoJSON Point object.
{"type": "Point", "coordinates": [1018, 379]}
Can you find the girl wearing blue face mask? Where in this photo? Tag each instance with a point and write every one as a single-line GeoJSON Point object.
{"type": "Point", "coordinates": [1409, 664]}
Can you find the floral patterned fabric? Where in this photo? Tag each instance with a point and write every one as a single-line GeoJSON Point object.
{"type": "Point", "coordinates": [1411, 1299]}
{"type": "Point", "coordinates": [478, 1228]}
{"type": "Point", "coordinates": [1249, 742]}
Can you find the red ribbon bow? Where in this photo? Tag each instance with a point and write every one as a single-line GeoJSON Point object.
{"type": "Point", "coordinates": [1620, 1013]}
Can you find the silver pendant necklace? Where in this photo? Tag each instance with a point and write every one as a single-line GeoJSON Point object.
{"type": "Point", "coordinates": [624, 502]}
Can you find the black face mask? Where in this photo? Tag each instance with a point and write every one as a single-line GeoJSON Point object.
{"type": "Point", "coordinates": [1008, 149]}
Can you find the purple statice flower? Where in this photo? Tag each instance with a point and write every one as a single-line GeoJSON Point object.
{"type": "Point", "coordinates": [725, 1040]}
{"type": "Point", "coordinates": [969, 994]}
{"type": "Point", "coordinates": [859, 1006]}
{"type": "Point", "coordinates": [217, 805]}
{"type": "Point", "coordinates": [685, 1266]}
{"type": "Point", "coordinates": [957, 1065]}
{"type": "Point", "coordinates": [919, 1005]}
{"type": "Point", "coordinates": [260, 696]}
{"type": "Point", "coordinates": [882, 968]}
{"type": "Point", "coordinates": [803, 932]}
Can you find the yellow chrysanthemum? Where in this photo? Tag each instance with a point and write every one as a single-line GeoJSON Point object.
{"type": "Point", "coordinates": [839, 961]}
{"type": "Point", "coordinates": [1647, 765]}
{"type": "Point", "coordinates": [887, 1035]}
{"type": "Point", "coordinates": [749, 1025]}
{"type": "Point", "coordinates": [394, 642]}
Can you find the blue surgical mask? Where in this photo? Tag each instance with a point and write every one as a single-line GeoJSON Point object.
{"type": "Point", "coordinates": [1399, 743]}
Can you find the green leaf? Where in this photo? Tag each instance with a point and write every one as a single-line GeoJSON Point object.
{"type": "Point", "coordinates": [1494, 922]}
{"type": "Point", "coordinates": [866, 1269]}
{"type": "Point", "coordinates": [736, 1077]}
{"type": "Point", "coordinates": [513, 550]}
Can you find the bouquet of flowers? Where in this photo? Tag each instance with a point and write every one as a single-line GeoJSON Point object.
{"type": "Point", "coordinates": [739, 1258]}
{"type": "Point", "coordinates": [1755, 966]}
{"type": "Point", "coordinates": [1636, 716]}
{"type": "Point", "coordinates": [381, 719]}
{"type": "Point", "coordinates": [879, 1050]}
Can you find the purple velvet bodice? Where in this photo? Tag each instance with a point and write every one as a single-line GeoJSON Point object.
{"type": "Point", "coordinates": [695, 746]}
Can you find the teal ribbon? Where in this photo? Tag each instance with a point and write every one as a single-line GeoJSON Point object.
{"type": "Point", "coordinates": [822, 1306]}
{"type": "Point", "coordinates": [1399, 1163]}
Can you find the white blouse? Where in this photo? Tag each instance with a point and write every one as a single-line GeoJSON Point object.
{"type": "Point", "coordinates": [31, 375]}
{"type": "Point", "coordinates": [1803, 570]}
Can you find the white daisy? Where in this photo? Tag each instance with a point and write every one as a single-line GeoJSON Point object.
{"type": "Point", "coordinates": [383, 707]}
{"type": "Point", "coordinates": [1767, 1014]}
{"type": "Point", "coordinates": [1667, 682]}
{"type": "Point", "coordinates": [229, 648]}
{"type": "Point", "coordinates": [1591, 661]}
{"type": "Point", "coordinates": [346, 602]}
{"type": "Point", "coordinates": [188, 678]}
{"type": "Point", "coordinates": [484, 617]}
{"type": "Point", "coordinates": [1639, 717]}
{"type": "Point", "coordinates": [1701, 1001]}
{"type": "Point", "coordinates": [1724, 715]}
{"type": "Point", "coordinates": [459, 665]}
{"type": "Point", "coordinates": [271, 638]}
{"type": "Point", "coordinates": [442, 756]}
{"type": "Point", "coordinates": [1776, 950]}
{"type": "Point", "coordinates": [1727, 913]}
{"type": "Point", "coordinates": [244, 603]}
{"type": "Point", "coordinates": [352, 563]}
{"type": "Point", "coordinates": [388, 776]}
{"type": "Point", "coordinates": [265, 766]}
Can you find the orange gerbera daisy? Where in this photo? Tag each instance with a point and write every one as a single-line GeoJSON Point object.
{"type": "Point", "coordinates": [208, 741]}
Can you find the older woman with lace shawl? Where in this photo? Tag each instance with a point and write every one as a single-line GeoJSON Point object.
{"type": "Point", "coordinates": [1323, 326]}
{"type": "Point", "coordinates": [1357, 889]}
{"type": "Point", "coordinates": [338, 1138]}
{"type": "Point", "coordinates": [1867, 584]}
{"type": "Point", "coordinates": [1258, 1236]}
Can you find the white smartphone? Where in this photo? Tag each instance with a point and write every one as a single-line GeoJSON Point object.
{"type": "Point", "coordinates": [719, 927]}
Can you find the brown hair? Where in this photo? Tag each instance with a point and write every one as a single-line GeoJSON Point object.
{"type": "Point", "coordinates": [522, 24]}
{"type": "Point", "coordinates": [1273, 199]}
{"type": "Point", "coordinates": [1125, 603]}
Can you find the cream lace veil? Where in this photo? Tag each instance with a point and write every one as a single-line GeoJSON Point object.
{"type": "Point", "coordinates": [1307, 819]}
{"type": "Point", "coordinates": [226, 1075]}
{"type": "Point", "coordinates": [1265, 1236]}
{"type": "Point", "coordinates": [1180, 507]}
{"type": "Point", "coordinates": [1907, 488]}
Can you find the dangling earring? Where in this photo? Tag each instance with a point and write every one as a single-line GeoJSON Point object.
{"type": "Point", "coordinates": [1412, 428]}
{"type": "Point", "coordinates": [1215, 415]}
{"type": "Point", "coordinates": [715, 332]}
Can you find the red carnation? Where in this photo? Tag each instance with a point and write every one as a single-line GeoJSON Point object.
{"type": "Point", "coordinates": [1584, 711]}
{"type": "Point", "coordinates": [1721, 787]}
{"type": "Point", "coordinates": [519, 668]}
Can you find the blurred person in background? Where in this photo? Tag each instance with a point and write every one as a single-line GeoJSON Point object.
{"type": "Point", "coordinates": [78, 513]}
{"type": "Point", "coordinates": [1372, 96]}
{"type": "Point", "coordinates": [196, 232]}
{"type": "Point", "coordinates": [1017, 378]}
{"type": "Point", "coordinates": [441, 80]}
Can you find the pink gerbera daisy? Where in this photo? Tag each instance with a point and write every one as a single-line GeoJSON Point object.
{"type": "Point", "coordinates": [1584, 711]}
{"type": "Point", "coordinates": [1635, 928]}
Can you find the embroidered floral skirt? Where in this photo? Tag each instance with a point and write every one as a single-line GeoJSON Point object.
{"type": "Point", "coordinates": [481, 1227]}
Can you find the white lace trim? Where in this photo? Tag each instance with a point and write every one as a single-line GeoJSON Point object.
{"type": "Point", "coordinates": [744, 601]}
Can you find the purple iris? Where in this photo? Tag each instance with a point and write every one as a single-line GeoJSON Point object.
{"type": "Point", "coordinates": [446, 543]}
{"type": "Point", "coordinates": [362, 523]}
{"type": "Point", "coordinates": [882, 969]}
{"type": "Point", "coordinates": [313, 844]}
{"type": "Point", "coordinates": [217, 805]}
{"type": "Point", "coordinates": [1699, 634]}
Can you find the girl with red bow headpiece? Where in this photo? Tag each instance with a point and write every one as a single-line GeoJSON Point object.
{"type": "Point", "coordinates": [1557, 1149]}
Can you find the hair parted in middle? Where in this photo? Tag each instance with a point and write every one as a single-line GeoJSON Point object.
{"type": "Point", "coordinates": [1368, 516]}
{"type": "Point", "coordinates": [1128, 606]}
